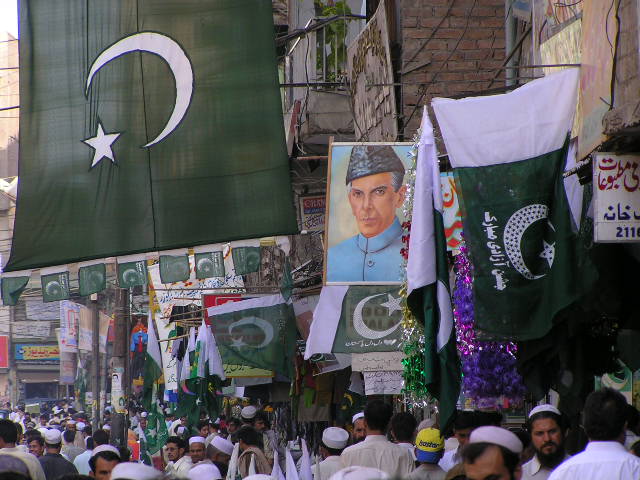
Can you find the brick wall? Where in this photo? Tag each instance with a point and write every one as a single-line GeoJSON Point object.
{"type": "Point", "coordinates": [464, 50]}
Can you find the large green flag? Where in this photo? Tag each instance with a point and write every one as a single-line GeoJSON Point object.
{"type": "Point", "coordinates": [509, 152]}
{"type": "Point", "coordinates": [147, 126]}
{"type": "Point", "coordinates": [259, 332]}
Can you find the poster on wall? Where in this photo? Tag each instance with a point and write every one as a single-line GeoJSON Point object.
{"type": "Point", "coordinates": [35, 353]}
{"type": "Point", "coordinates": [4, 351]}
{"type": "Point", "coordinates": [312, 212]}
{"type": "Point", "coordinates": [363, 235]}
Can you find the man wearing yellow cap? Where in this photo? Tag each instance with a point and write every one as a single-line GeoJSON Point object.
{"type": "Point", "coordinates": [429, 450]}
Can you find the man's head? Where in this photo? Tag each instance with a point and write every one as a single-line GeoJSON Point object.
{"type": "Point", "coordinates": [605, 415]}
{"type": "Point", "coordinates": [375, 184]}
{"type": "Point", "coordinates": [248, 437]}
{"type": "Point", "coordinates": [492, 452]}
{"type": "Point", "coordinates": [376, 417]}
{"type": "Point", "coordinates": [71, 425]}
{"type": "Point", "coordinates": [261, 421]}
{"type": "Point", "coordinates": [176, 448]}
{"type": "Point", "coordinates": [203, 428]}
{"type": "Point", "coordinates": [220, 450]}
{"type": "Point", "coordinates": [69, 436]}
{"type": "Point", "coordinates": [429, 445]}
{"type": "Point", "coordinates": [248, 414]}
{"type": "Point", "coordinates": [359, 430]}
{"type": "Point", "coordinates": [403, 427]}
{"type": "Point", "coordinates": [334, 440]}
{"type": "Point", "coordinates": [103, 463]}
{"type": "Point", "coordinates": [53, 440]}
{"type": "Point", "coordinates": [36, 445]}
{"type": "Point", "coordinates": [44, 418]}
{"type": "Point", "coordinates": [100, 437]}
{"type": "Point", "coordinates": [197, 450]}
{"type": "Point", "coordinates": [545, 425]}
{"type": "Point", "coordinates": [233, 425]}
{"type": "Point", "coordinates": [463, 425]}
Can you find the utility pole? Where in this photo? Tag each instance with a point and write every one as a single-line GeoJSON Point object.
{"type": "Point", "coordinates": [119, 375]}
{"type": "Point", "coordinates": [95, 363]}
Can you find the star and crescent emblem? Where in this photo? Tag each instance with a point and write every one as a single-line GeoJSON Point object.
{"type": "Point", "coordinates": [514, 230]}
{"type": "Point", "coordinates": [179, 64]}
{"type": "Point", "coordinates": [392, 305]}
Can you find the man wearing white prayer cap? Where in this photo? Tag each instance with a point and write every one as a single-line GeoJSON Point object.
{"type": "Point", "coordinates": [334, 440]}
{"type": "Point", "coordinates": [547, 429]}
{"type": "Point", "coordinates": [492, 452]}
{"type": "Point", "coordinates": [104, 459]}
{"type": "Point", "coordinates": [135, 471]}
{"type": "Point", "coordinates": [204, 472]}
{"type": "Point", "coordinates": [359, 473]}
{"type": "Point", "coordinates": [197, 451]}
{"type": "Point", "coordinates": [359, 431]}
{"type": "Point", "coordinates": [248, 413]}
{"type": "Point", "coordinates": [219, 451]}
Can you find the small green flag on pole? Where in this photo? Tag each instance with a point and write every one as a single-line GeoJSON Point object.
{"type": "Point", "coordinates": [13, 284]}
{"type": "Point", "coordinates": [92, 278]}
{"type": "Point", "coordinates": [209, 264]}
{"type": "Point", "coordinates": [155, 433]}
{"type": "Point", "coordinates": [174, 267]}
{"type": "Point", "coordinates": [132, 273]}
{"type": "Point", "coordinates": [246, 259]}
{"type": "Point", "coordinates": [55, 286]}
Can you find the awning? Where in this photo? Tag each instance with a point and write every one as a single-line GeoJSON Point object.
{"type": "Point", "coordinates": [38, 377]}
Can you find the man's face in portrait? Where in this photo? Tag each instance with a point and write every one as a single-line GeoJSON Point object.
{"type": "Point", "coordinates": [374, 202]}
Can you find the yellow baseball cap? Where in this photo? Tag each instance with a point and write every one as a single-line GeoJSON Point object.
{"type": "Point", "coordinates": [429, 445]}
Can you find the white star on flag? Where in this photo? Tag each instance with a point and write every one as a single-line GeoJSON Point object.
{"type": "Point", "coordinates": [548, 252]}
{"type": "Point", "coordinates": [101, 143]}
{"type": "Point", "coordinates": [393, 304]}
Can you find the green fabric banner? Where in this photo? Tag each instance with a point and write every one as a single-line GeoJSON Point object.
{"type": "Point", "coordinates": [138, 119]}
{"type": "Point", "coordinates": [174, 268]}
{"type": "Point", "coordinates": [259, 333]}
{"type": "Point", "coordinates": [132, 274]}
{"type": "Point", "coordinates": [209, 265]}
{"type": "Point", "coordinates": [527, 262]}
{"type": "Point", "coordinates": [92, 279]}
{"type": "Point", "coordinates": [246, 259]}
{"type": "Point", "coordinates": [370, 320]}
{"type": "Point", "coordinates": [55, 287]}
{"type": "Point", "coordinates": [12, 288]}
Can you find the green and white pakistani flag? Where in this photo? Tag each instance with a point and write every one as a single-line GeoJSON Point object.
{"type": "Point", "coordinates": [13, 284]}
{"type": "Point", "coordinates": [141, 122]}
{"type": "Point", "coordinates": [174, 266]}
{"type": "Point", "coordinates": [356, 319]}
{"type": "Point", "coordinates": [132, 271]}
{"type": "Point", "coordinates": [156, 433]}
{"type": "Point", "coordinates": [55, 284]}
{"type": "Point", "coordinates": [209, 262]}
{"type": "Point", "coordinates": [246, 259]}
{"type": "Point", "coordinates": [259, 332]}
{"type": "Point", "coordinates": [428, 279]}
{"type": "Point", "coordinates": [509, 152]}
{"type": "Point", "coordinates": [92, 277]}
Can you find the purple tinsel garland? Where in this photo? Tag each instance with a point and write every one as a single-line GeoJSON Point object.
{"type": "Point", "coordinates": [489, 368]}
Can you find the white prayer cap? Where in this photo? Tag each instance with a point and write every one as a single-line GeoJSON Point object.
{"type": "Point", "coordinates": [71, 422]}
{"type": "Point", "coordinates": [196, 439]}
{"type": "Point", "coordinates": [248, 412]}
{"type": "Point", "coordinates": [359, 473]}
{"type": "Point", "coordinates": [357, 416]}
{"type": "Point", "coordinates": [498, 436]}
{"type": "Point", "coordinates": [105, 448]}
{"type": "Point", "coordinates": [222, 444]}
{"type": "Point", "coordinates": [52, 436]}
{"type": "Point", "coordinates": [144, 414]}
{"type": "Point", "coordinates": [106, 427]}
{"type": "Point", "coordinates": [42, 430]}
{"type": "Point", "coordinates": [80, 426]}
{"type": "Point", "coordinates": [205, 471]}
{"type": "Point", "coordinates": [334, 437]}
{"type": "Point", "coordinates": [258, 476]}
{"type": "Point", "coordinates": [137, 471]}
{"type": "Point", "coordinates": [544, 408]}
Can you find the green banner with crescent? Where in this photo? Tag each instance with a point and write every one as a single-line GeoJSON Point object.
{"type": "Point", "coordinates": [370, 320]}
{"type": "Point", "coordinates": [141, 119]}
{"type": "Point", "coordinates": [528, 263]}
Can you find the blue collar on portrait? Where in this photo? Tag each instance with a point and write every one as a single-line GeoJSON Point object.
{"type": "Point", "coordinates": [382, 240]}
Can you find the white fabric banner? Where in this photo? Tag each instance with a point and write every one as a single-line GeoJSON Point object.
{"type": "Point", "coordinates": [326, 318]}
{"type": "Point", "coordinates": [530, 121]}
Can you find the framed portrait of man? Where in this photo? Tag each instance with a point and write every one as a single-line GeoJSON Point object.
{"type": "Point", "coordinates": [363, 230]}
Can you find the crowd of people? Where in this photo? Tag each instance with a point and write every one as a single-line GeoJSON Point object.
{"type": "Point", "coordinates": [378, 445]}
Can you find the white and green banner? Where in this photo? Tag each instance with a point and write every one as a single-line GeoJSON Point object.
{"type": "Point", "coordinates": [509, 152]}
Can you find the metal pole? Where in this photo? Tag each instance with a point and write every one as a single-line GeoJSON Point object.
{"type": "Point", "coordinates": [95, 363]}
{"type": "Point", "coordinates": [13, 378]}
{"type": "Point", "coordinates": [510, 27]}
{"type": "Point", "coordinates": [120, 344]}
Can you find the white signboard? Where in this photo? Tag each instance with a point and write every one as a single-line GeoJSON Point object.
{"type": "Point", "coordinates": [383, 383]}
{"type": "Point", "coordinates": [376, 361]}
{"type": "Point", "coordinates": [31, 329]}
{"type": "Point", "coordinates": [616, 197]}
